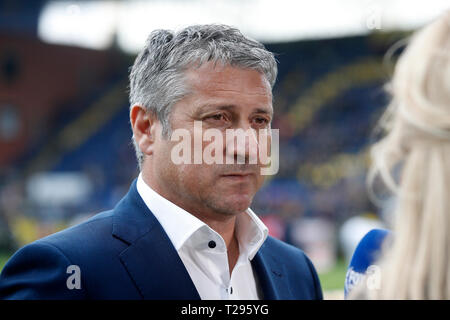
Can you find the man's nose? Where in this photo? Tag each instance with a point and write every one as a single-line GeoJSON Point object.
{"type": "Point", "coordinates": [241, 145]}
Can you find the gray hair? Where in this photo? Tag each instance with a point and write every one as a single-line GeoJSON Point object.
{"type": "Point", "coordinates": [157, 76]}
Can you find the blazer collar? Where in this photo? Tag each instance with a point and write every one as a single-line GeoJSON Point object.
{"type": "Point", "coordinates": [155, 266]}
{"type": "Point", "coordinates": [132, 219]}
{"type": "Point", "coordinates": [271, 274]}
{"type": "Point", "coordinates": [150, 259]}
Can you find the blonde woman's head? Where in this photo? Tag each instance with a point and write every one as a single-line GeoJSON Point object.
{"type": "Point", "coordinates": [417, 145]}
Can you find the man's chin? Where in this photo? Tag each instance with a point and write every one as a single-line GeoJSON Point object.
{"type": "Point", "coordinates": [236, 204]}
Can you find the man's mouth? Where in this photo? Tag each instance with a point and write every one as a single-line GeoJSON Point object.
{"type": "Point", "coordinates": [237, 176]}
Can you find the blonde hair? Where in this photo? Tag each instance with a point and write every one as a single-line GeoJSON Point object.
{"type": "Point", "coordinates": [416, 264]}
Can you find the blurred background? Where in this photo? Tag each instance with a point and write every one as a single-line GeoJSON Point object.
{"type": "Point", "coordinates": [65, 137]}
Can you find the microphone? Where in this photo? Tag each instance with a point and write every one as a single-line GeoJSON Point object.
{"type": "Point", "coordinates": [361, 264]}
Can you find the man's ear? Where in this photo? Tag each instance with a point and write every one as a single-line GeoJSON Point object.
{"type": "Point", "coordinates": [143, 124]}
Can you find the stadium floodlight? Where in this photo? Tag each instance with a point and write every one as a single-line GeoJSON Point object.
{"type": "Point", "coordinates": [88, 24]}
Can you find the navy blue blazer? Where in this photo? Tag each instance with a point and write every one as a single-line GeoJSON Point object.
{"type": "Point", "coordinates": [125, 254]}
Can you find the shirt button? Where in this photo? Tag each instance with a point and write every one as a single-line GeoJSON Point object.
{"type": "Point", "coordinates": [211, 244]}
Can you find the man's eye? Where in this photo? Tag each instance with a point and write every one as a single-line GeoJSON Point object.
{"type": "Point", "coordinates": [217, 117]}
{"type": "Point", "coordinates": [261, 121]}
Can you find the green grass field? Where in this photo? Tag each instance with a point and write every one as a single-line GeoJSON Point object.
{"type": "Point", "coordinates": [334, 279]}
{"type": "Point", "coordinates": [3, 258]}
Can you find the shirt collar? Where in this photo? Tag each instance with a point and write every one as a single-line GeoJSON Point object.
{"type": "Point", "coordinates": [181, 226]}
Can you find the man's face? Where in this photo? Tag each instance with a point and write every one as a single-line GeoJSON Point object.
{"type": "Point", "coordinates": [222, 97]}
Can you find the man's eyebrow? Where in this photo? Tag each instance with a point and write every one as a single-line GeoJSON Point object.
{"type": "Point", "coordinates": [263, 110]}
{"type": "Point", "coordinates": [206, 108]}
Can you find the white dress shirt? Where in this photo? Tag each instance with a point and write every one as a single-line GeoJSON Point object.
{"type": "Point", "coordinates": [208, 265]}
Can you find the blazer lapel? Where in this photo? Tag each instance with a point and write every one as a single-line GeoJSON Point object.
{"type": "Point", "coordinates": [271, 276]}
{"type": "Point", "coordinates": [150, 259]}
{"type": "Point", "coordinates": [156, 268]}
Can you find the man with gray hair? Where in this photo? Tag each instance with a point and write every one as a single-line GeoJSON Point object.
{"type": "Point", "coordinates": [185, 229]}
